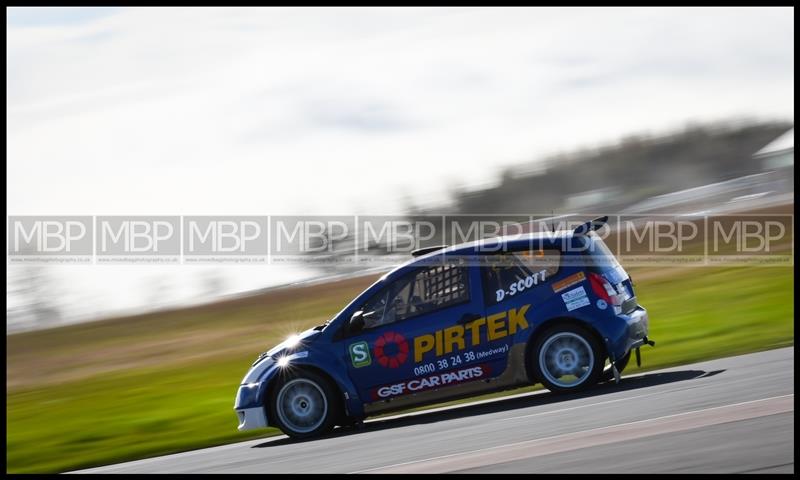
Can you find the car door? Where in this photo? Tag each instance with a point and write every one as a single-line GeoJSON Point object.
{"type": "Point", "coordinates": [412, 338]}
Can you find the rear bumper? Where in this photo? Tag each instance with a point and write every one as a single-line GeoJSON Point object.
{"type": "Point", "coordinates": [251, 418]}
{"type": "Point", "coordinates": [638, 323]}
{"type": "Point", "coordinates": [634, 332]}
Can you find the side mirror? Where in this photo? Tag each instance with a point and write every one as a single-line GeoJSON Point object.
{"type": "Point", "coordinates": [356, 323]}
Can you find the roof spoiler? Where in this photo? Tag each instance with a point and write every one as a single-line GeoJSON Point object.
{"type": "Point", "coordinates": [591, 225]}
{"type": "Point", "coordinates": [425, 250]}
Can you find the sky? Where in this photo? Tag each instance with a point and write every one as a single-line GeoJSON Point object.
{"type": "Point", "coordinates": [125, 111]}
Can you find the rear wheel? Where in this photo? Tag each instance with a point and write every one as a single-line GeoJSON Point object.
{"type": "Point", "coordinates": [567, 359]}
{"type": "Point", "coordinates": [304, 405]}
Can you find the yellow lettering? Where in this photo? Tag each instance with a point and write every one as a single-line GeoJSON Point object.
{"type": "Point", "coordinates": [516, 318]}
{"type": "Point", "coordinates": [422, 344]}
{"type": "Point", "coordinates": [453, 336]}
{"type": "Point", "coordinates": [494, 324]}
{"type": "Point", "coordinates": [474, 329]}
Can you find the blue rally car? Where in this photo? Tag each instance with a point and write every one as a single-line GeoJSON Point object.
{"type": "Point", "coordinates": [554, 308]}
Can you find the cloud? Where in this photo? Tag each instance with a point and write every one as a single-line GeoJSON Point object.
{"type": "Point", "coordinates": [366, 117]}
{"type": "Point", "coordinates": [263, 90]}
{"type": "Point", "coordinates": [56, 16]}
{"type": "Point", "coordinates": [323, 110]}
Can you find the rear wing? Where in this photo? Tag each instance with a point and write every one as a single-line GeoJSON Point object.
{"type": "Point", "coordinates": [590, 226]}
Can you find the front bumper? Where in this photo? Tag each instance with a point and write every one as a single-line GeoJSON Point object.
{"type": "Point", "coordinates": [248, 408]}
{"type": "Point", "coordinates": [251, 418]}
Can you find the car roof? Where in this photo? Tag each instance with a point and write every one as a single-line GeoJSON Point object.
{"type": "Point", "coordinates": [481, 246]}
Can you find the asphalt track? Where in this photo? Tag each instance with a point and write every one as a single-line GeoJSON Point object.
{"type": "Point", "coordinates": [732, 415]}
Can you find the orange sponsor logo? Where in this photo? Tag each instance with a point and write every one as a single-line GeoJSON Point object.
{"type": "Point", "coordinates": [569, 281]}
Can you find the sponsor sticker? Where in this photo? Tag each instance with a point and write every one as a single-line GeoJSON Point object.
{"type": "Point", "coordinates": [359, 354]}
{"type": "Point", "coordinates": [575, 298]}
{"type": "Point", "coordinates": [477, 332]}
{"type": "Point", "coordinates": [580, 302]}
{"type": "Point", "coordinates": [567, 282]}
{"type": "Point", "coordinates": [431, 382]}
{"type": "Point", "coordinates": [391, 349]}
{"type": "Point", "coordinates": [573, 294]}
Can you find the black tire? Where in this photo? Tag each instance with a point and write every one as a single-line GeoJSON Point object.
{"type": "Point", "coordinates": [348, 422]}
{"type": "Point", "coordinates": [608, 374]}
{"type": "Point", "coordinates": [579, 351]}
{"type": "Point", "coordinates": [310, 405]}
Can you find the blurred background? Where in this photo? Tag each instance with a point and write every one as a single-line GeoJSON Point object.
{"type": "Point", "coordinates": [171, 111]}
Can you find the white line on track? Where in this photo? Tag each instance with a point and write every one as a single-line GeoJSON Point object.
{"type": "Point", "coordinates": [592, 437]}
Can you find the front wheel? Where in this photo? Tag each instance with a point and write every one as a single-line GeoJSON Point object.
{"type": "Point", "coordinates": [567, 359]}
{"type": "Point", "coordinates": [304, 405]}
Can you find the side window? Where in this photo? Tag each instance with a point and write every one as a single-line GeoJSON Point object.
{"type": "Point", "coordinates": [548, 260]}
{"type": "Point", "coordinates": [375, 308]}
{"type": "Point", "coordinates": [507, 274]}
{"type": "Point", "coordinates": [423, 291]}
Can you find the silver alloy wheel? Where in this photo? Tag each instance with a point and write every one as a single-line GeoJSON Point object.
{"type": "Point", "coordinates": [301, 405]}
{"type": "Point", "coordinates": [565, 355]}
